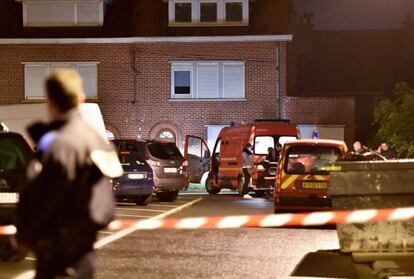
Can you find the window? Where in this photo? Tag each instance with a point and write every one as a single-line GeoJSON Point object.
{"type": "Point", "coordinates": [207, 80]}
{"type": "Point", "coordinates": [36, 73]}
{"type": "Point", "coordinates": [310, 159]}
{"type": "Point", "coordinates": [166, 135]}
{"type": "Point", "coordinates": [183, 12]}
{"type": "Point", "coordinates": [51, 13]}
{"type": "Point", "coordinates": [234, 11]}
{"type": "Point", "coordinates": [208, 12]}
{"type": "Point", "coordinates": [182, 82]}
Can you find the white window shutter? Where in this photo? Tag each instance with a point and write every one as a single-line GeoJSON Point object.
{"type": "Point", "coordinates": [50, 13]}
{"type": "Point", "coordinates": [233, 80]}
{"type": "Point", "coordinates": [89, 74]}
{"type": "Point", "coordinates": [207, 80]}
{"type": "Point", "coordinates": [88, 13]}
{"type": "Point", "coordinates": [35, 76]}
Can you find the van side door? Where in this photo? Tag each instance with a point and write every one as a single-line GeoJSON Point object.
{"type": "Point", "coordinates": [197, 155]}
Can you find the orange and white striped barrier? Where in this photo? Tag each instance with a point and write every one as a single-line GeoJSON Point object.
{"type": "Point", "coordinates": [261, 221]}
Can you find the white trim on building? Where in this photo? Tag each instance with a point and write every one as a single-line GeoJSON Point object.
{"type": "Point", "coordinates": [143, 40]}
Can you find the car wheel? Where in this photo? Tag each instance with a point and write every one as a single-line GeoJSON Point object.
{"type": "Point", "coordinates": [167, 196]}
{"type": "Point", "coordinates": [242, 189]}
{"type": "Point", "coordinates": [210, 186]}
{"type": "Point", "coordinates": [143, 200]}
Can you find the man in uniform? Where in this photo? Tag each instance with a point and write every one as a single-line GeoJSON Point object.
{"type": "Point", "coordinates": [67, 197]}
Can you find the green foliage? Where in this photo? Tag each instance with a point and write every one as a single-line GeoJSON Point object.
{"type": "Point", "coordinates": [395, 119]}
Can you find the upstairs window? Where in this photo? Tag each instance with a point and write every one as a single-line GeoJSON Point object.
{"type": "Point", "coordinates": [36, 73]}
{"type": "Point", "coordinates": [234, 11]}
{"type": "Point", "coordinates": [208, 12]}
{"type": "Point", "coordinates": [183, 12]}
{"type": "Point", "coordinates": [54, 13]}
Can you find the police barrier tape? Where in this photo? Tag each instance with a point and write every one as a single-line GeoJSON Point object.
{"type": "Point", "coordinates": [258, 221]}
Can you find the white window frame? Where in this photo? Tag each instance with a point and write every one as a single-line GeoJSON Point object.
{"type": "Point", "coordinates": [192, 66]}
{"type": "Point", "coordinates": [75, 21]}
{"type": "Point", "coordinates": [48, 68]}
{"type": "Point", "coordinates": [196, 10]}
{"type": "Point", "coordinates": [182, 67]}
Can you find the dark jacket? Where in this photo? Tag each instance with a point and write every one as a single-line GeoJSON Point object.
{"type": "Point", "coordinates": [60, 205]}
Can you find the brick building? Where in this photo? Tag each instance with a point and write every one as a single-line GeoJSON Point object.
{"type": "Point", "coordinates": [162, 68]}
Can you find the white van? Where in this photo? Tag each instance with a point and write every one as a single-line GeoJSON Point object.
{"type": "Point", "coordinates": [18, 117]}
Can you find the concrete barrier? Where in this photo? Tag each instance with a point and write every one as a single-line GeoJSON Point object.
{"type": "Point", "coordinates": [377, 184]}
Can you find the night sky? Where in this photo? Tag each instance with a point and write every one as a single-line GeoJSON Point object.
{"type": "Point", "coordinates": [357, 14]}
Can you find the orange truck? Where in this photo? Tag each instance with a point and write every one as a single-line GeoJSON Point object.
{"type": "Point", "coordinates": [225, 164]}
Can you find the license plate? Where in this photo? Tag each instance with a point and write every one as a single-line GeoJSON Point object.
{"type": "Point", "coordinates": [9, 197]}
{"type": "Point", "coordinates": [314, 185]}
{"type": "Point", "coordinates": [136, 175]}
{"type": "Point", "coordinates": [170, 170]}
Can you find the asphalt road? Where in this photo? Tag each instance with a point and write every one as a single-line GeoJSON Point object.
{"type": "Point", "coordinates": [234, 253]}
{"type": "Point", "coordinates": [231, 253]}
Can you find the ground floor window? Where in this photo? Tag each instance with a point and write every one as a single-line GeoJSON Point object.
{"type": "Point", "coordinates": [35, 74]}
{"type": "Point", "coordinates": [208, 80]}
{"type": "Point", "coordinates": [166, 135]}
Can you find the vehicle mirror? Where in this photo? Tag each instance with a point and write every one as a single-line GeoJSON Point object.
{"type": "Point", "coordinates": [207, 154]}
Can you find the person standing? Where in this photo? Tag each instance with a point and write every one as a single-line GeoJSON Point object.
{"type": "Point", "coordinates": [67, 196]}
{"type": "Point", "coordinates": [247, 167]}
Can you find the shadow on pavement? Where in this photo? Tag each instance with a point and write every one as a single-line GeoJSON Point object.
{"type": "Point", "coordinates": [331, 264]}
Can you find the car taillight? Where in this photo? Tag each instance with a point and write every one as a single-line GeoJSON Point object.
{"type": "Point", "coordinates": [153, 163]}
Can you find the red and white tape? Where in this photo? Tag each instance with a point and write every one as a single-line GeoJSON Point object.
{"type": "Point", "coordinates": [272, 221]}
{"type": "Point", "coordinates": [261, 221]}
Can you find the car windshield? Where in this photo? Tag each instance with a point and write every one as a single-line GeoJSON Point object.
{"type": "Point", "coordinates": [131, 158]}
{"type": "Point", "coordinates": [14, 154]}
{"type": "Point", "coordinates": [164, 150]}
{"type": "Point", "coordinates": [310, 159]}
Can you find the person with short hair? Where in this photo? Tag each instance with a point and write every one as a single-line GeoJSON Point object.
{"type": "Point", "coordinates": [385, 151]}
{"type": "Point", "coordinates": [67, 196]}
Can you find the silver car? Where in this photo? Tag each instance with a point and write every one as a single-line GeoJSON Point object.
{"type": "Point", "coordinates": [166, 161]}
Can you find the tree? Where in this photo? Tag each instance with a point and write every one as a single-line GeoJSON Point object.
{"type": "Point", "coordinates": [395, 119]}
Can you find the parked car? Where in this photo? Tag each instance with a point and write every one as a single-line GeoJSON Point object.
{"type": "Point", "coordinates": [15, 153]}
{"type": "Point", "coordinates": [166, 161]}
{"type": "Point", "coordinates": [302, 177]}
{"type": "Point", "coordinates": [136, 183]}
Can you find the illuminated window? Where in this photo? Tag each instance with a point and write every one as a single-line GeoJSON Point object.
{"type": "Point", "coordinates": [166, 135]}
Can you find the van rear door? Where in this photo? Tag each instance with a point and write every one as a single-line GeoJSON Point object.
{"type": "Point", "coordinates": [197, 155]}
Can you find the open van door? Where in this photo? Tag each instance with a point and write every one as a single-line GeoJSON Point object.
{"type": "Point", "coordinates": [197, 155]}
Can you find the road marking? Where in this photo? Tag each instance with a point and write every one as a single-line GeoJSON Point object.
{"type": "Point", "coordinates": [162, 205]}
{"type": "Point", "coordinates": [139, 209]}
{"type": "Point", "coordinates": [118, 235]}
{"type": "Point", "coordinates": [129, 215]}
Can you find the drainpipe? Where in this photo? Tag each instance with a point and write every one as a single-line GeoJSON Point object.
{"type": "Point", "coordinates": [278, 101]}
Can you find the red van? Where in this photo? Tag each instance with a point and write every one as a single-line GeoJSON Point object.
{"type": "Point", "coordinates": [302, 178]}
{"type": "Point", "coordinates": [225, 165]}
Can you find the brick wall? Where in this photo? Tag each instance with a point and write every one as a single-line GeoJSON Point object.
{"type": "Point", "coordinates": [322, 110]}
{"type": "Point", "coordinates": [131, 100]}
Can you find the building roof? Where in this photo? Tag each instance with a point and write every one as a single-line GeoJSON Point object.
{"type": "Point", "coordinates": [146, 18]}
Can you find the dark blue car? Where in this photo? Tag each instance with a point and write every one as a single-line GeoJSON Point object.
{"type": "Point", "coordinates": [136, 184]}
